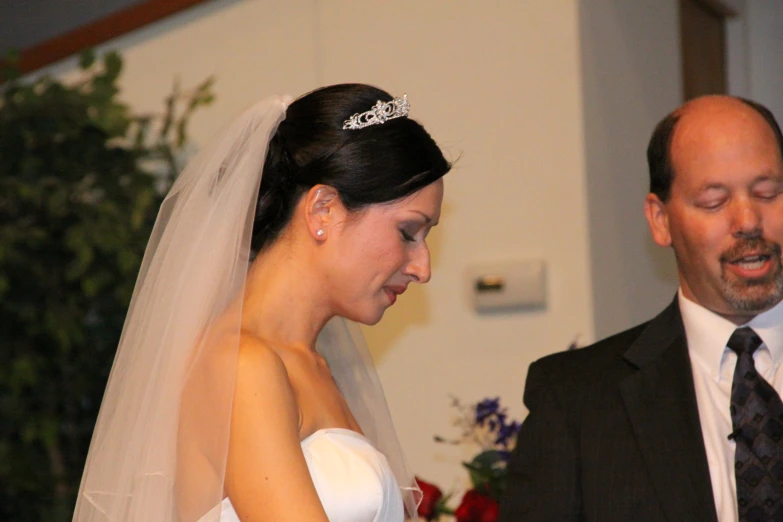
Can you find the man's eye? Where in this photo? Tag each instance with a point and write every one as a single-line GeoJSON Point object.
{"type": "Point", "coordinates": [768, 189]}
{"type": "Point", "coordinates": [710, 205]}
{"type": "Point", "coordinates": [768, 194]}
{"type": "Point", "coordinates": [406, 236]}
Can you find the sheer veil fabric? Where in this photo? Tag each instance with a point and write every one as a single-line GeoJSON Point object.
{"type": "Point", "coordinates": [159, 447]}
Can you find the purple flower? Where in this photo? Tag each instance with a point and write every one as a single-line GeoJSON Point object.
{"type": "Point", "coordinates": [507, 431]}
{"type": "Point", "coordinates": [504, 455]}
{"type": "Point", "coordinates": [486, 408]}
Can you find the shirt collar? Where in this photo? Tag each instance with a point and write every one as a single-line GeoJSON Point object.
{"type": "Point", "coordinates": [707, 332]}
{"type": "Point", "coordinates": [769, 326]}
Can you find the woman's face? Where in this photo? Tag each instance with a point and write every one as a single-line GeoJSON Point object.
{"type": "Point", "coordinates": [380, 250]}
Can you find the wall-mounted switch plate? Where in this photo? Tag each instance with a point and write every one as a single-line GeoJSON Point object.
{"type": "Point", "coordinates": [508, 285]}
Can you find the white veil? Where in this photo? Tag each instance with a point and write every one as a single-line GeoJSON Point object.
{"type": "Point", "coordinates": [158, 452]}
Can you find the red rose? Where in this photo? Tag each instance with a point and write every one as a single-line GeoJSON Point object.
{"type": "Point", "coordinates": [476, 507]}
{"type": "Point", "coordinates": [429, 499]}
{"type": "Point", "coordinates": [491, 512]}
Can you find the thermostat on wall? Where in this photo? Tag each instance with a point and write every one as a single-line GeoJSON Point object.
{"type": "Point", "coordinates": [508, 285]}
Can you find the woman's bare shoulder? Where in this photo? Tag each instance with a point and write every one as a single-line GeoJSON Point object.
{"type": "Point", "coordinates": [258, 364]}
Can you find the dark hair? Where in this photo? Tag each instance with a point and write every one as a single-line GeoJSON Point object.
{"type": "Point", "coordinates": [659, 158]}
{"type": "Point", "coordinates": [376, 164]}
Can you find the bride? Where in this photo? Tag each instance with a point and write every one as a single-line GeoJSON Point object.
{"type": "Point", "coordinates": [241, 388]}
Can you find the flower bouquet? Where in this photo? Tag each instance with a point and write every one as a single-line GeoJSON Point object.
{"type": "Point", "coordinates": [485, 424]}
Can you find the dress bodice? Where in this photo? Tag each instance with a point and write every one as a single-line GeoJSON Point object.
{"type": "Point", "coordinates": [353, 479]}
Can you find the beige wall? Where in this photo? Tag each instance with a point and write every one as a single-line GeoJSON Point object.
{"type": "Point", "coordinates": [631, 78]}
{"type": "Point", "coordinates": [764, 29]}
{"type": "Point", "coordinates": [516, 91]}
{"type": "Point", "coordinates": [497, 84]}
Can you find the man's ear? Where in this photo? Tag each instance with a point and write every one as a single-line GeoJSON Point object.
{"type": "Point", "coordinates": [658, 219]}
{"type": "Point", "coordinates": [322, 210]}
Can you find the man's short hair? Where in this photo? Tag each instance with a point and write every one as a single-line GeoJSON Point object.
{"type": "Point", "coordinates": [659, 157]}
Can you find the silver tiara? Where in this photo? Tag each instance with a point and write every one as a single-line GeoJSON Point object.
{"type": "Point", "coordinates": [381, 112]}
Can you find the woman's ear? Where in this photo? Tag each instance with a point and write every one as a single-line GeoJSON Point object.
{"type": "Point", "coordinates": [322, 210]}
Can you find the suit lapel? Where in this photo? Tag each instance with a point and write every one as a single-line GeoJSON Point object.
{"type": "Point", "coordinates": [661, 402]}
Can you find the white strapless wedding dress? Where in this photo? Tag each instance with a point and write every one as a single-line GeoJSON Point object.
{"type": "Point", "coordinates": [352, 478]}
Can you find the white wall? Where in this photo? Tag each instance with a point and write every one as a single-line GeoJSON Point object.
{"type": "Point", "coordinates": [517, 91]}
{"type": "Point", "coordinates": [764, 39]}
{"type": "Point", "coordinates": [497, 84]}
{"type": "Point", "coordinates": [631, 78]}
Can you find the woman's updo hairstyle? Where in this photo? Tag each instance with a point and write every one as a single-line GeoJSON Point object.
{"type": "Point", "coordinates": [377, 164]}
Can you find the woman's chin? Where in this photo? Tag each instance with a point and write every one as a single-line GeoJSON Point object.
{"type": "Point", "coordinates": [374, 320]}
{"type": "Point", "coordinates": [368, 317]}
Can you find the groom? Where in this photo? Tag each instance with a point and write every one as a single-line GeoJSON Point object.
{"type": "Point", "coordinates": [678, 419]}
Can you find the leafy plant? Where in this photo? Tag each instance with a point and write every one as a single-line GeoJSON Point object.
{"type": "Point", "coordinates": [81, 179]}
{"type": "Point", "coordinates": [485, 425]}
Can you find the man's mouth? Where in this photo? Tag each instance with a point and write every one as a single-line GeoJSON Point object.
{"type": "Point", "coordinates": [752, 258]}
{"type": "Point", "coordinates": [754, 262]}
{"type": "Point", "coordinates": [753, 266]}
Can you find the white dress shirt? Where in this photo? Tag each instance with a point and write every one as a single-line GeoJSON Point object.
{"type": "Point", "coordinates": [713, 371]}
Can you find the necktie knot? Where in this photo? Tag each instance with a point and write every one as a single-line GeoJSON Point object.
{"type": "Point", "coordinates": [744, 340]}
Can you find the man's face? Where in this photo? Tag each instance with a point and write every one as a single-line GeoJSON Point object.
{"type": "Point", "coordinates": [724, 218]}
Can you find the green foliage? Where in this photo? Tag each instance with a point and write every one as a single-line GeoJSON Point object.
{"type": "Point", "coordinates": [488, 472]}
{"type": "Point", "coordinates": [81, 179]}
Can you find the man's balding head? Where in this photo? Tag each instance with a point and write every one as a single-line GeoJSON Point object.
{"type": "Point", "coordinates": [716, 167]}
{"type": "Point", "coordinates": [659, 158]}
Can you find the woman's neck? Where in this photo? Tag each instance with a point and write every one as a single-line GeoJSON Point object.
{"type": "Point", "coordinates": [284, 301]}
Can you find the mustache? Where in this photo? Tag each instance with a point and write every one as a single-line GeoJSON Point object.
{"type": "Point", "coordinates": [744, 247]}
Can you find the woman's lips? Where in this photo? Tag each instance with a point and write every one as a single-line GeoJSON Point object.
{"type": "Point", "coordinates": [393, 291]}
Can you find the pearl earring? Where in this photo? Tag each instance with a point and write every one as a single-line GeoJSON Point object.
{"type": "Point", "coordinates": [319, 232]}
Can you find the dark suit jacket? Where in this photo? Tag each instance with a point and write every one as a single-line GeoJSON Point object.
{"type": "Point", "coordinates": [613, 434]}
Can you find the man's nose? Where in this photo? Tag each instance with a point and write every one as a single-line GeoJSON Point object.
{"type": "Point", "coordinates": [747, 218]}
